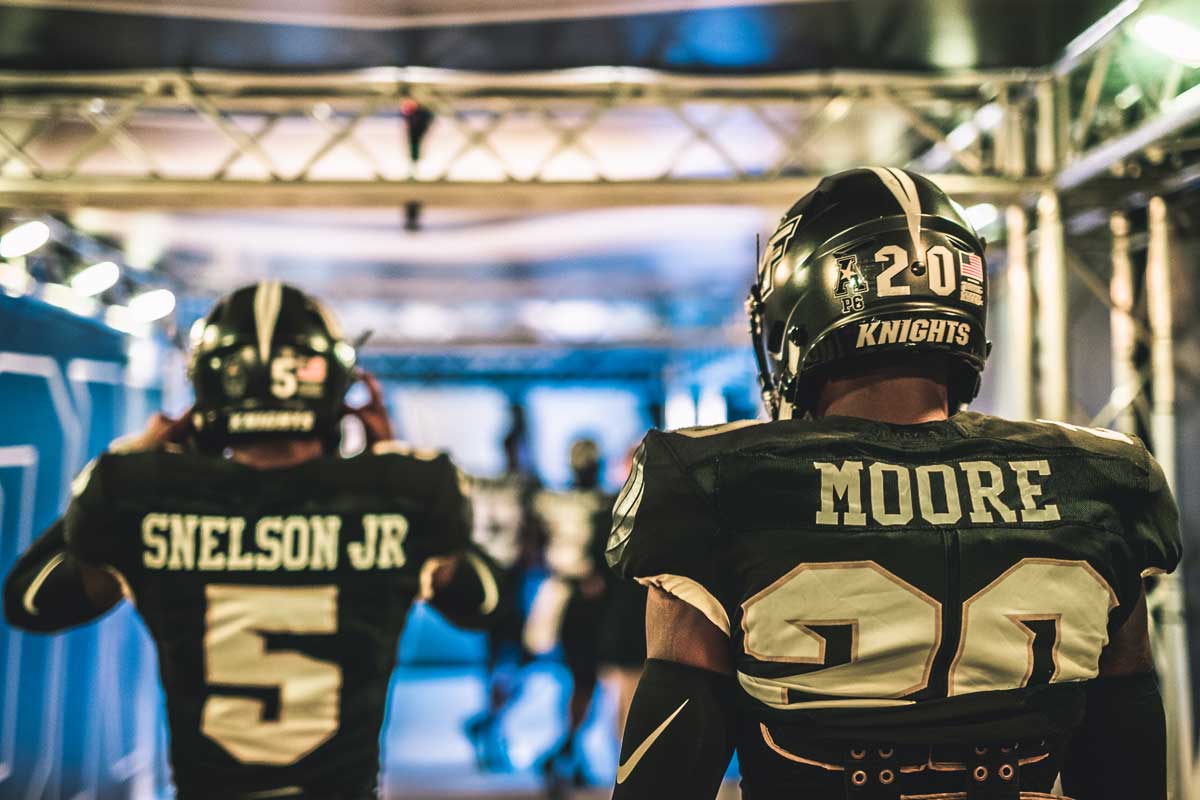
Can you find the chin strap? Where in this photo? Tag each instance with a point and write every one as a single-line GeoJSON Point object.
{"type": "Point", "coordinates": [770, 394]}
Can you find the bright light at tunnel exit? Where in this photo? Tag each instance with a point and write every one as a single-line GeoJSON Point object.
{"type": "Point", "coordinates": [1171, 37]}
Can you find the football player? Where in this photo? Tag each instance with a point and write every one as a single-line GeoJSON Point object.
{"type": "Point", "coordinates": [623, 636]}
{"type": "Point", "coordinates": [877, 594]}
{"type": "Point", "coordinates": [273, 575]}
{"type": "Point", "coordinates": [503, 529]}
{"type": "Point", "coordinates": [575, 524]}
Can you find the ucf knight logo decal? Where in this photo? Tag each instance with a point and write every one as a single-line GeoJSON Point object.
{"type": "Point", "coordinates": [776, 248]}
{"type": "Point", "coordinates": [851, 285]}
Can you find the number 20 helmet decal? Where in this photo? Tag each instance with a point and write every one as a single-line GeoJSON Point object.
{"type": "Point", "coordinates": [873, 261]}
{"type": "Point", "coordinates": [268, 361]}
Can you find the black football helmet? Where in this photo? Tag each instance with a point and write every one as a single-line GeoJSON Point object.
{"type": "Point", "coordinates": [876, 260]}
{"type": "Point", "coordinates": [268, 361]}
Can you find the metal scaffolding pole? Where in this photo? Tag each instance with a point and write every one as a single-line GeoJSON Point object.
{"type": "Point", "coordinates": [1051, 322]}
{"type": "Point", "coordinates": [1018, 320]}
{"type": "Point", "coordinates": [1046, 142]}
{"type": "Point", "coordinates": [1168, 597]}
{"type": "Point", "coordinates": [1124, 332]}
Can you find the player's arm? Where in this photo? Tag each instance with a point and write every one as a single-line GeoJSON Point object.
{"type": "Point", "coordinates": [63, 579]}
{"type": "Point", "coordinates": [49, 590]}
{"type": "Point", "coordinates": [464, 587]}
{"type": "Point", "coordinates": [1120, 751]}
{"type": "Point", "coordinates": [461, 582]}
{"type": "Point", "coordinates": [678, 738]}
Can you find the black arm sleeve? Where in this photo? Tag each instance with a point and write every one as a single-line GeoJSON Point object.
{"type": "Point", "coordinates": [678, 739]}
{"type": "Point", "coordinates": [449, 510]}
{"type": "Point", "coordinates": [1120, 751]}
{"type": "Point", "coordinates": [471, 598]}
{"type": "Point", "coordinates": [44, 591]}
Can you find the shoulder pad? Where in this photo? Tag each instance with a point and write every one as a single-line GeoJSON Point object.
{"type": "Point", "coordinates": [1053, 433]}
{"type": "Point", "coordinates": [1100, 441]}
{"type": "Point", "coordinates": [702, 431]}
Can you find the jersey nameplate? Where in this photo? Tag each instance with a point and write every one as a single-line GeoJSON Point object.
{"type": "Point", "coordinates": [984, 492]}
{"type": "Point", "coordinates": [187, 542]}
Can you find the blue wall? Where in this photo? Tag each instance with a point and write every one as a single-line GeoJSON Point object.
{"type": "Point", "coordinates": [81, 711]}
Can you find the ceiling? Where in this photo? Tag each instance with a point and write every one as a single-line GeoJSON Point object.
{"type": "Point", "coordinates": [704, 36]}
{"type": "Point", "coordinates": [657, 277]}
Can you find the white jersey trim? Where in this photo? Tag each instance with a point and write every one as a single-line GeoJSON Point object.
{"type": "Point", "coordinates": [774, 693]}
{"type": "Point", "coordinates": [713, 430]}
{"type": "Point", "coordinates": [35, 586]}
{"type": "Point", "coordinates": [491, 592]}
{"type": "Point", "coordinates": [692, 593]}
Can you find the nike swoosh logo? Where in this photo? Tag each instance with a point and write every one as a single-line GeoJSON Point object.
{"type": "Point", "coordinates": [626, 769]}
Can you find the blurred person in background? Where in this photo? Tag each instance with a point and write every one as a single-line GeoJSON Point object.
{"type": "Point", "coordinates": [504, 529]}
{"type": "Point", "coordinates": [877, 594]}
{"type": "Point", "coordinates": [273, 575]}
{"type": "Point", "coordinates": [570, 604]}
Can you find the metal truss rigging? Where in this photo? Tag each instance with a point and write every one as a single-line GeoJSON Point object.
{"type": "Point", "coordinates": [588, 137]}
{"type": "Point", "coordinates": [594, 136]}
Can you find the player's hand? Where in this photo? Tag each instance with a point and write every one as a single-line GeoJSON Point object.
{"type": "Point", "coordinates": [436, 575]}
{"type": "Point", "coordinates": [374, 413]}
{"type": "Point", "coordinates": [161, 433]}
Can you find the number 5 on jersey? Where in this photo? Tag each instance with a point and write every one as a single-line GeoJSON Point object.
{"type": "Point", "coordinates": [235, 654]}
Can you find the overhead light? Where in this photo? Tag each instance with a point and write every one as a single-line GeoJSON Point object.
{"type": "Point", "coordinates": [982, 215]}
{"type": "Point", "coordinates": [122, 319]}
{"type": "Point", "coordinates": [152, 305]}
{"type": "Point", "coordinates": [24, 239]}
{"type": "Point", "coordinates": [56, 294]}
{"type": "Point", "coordinates": [95, 279]}
{"type": "Point", "coordinates": [1174, 38]}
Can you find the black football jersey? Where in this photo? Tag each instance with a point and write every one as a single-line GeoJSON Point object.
{"type": "Point", "coordinates": [927, 583]}
{"type": "Point", "coordinates": [275, 598]}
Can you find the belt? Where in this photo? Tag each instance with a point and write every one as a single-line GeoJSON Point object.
{"type": "Point", "coordinates": [878, 771]}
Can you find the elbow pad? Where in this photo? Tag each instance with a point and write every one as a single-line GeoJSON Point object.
{"type": "Point", "coordinates": [678, 739]}
{"type": "Point", "coordinates": [1120, 750]}
{"type": "Point", "coordinates": [44, 592]}
{"type": "Point", "coordinates": [471, 598]}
